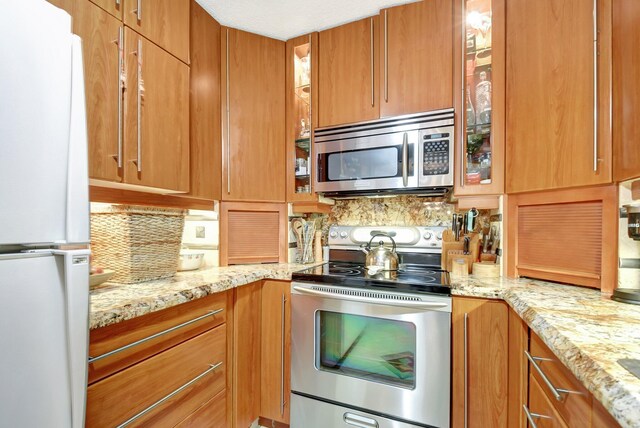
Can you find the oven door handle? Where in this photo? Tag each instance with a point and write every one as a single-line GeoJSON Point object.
{"type": "Point", "coordinates": [381, 301]}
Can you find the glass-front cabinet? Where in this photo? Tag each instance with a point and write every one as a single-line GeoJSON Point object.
{"type": "Point", "coordinates": [301, 116]}
{"type": "Point", "coordinates": [479, 101]}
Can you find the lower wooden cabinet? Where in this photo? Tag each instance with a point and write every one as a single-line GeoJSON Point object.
{"type": "Point", "coordinates": [480, 363]}
{"type": "Point", "coordinates": [212, 414]}
{"type": "Point", "coordinates": [540, 410]}
{"type": "Point", "coordinates": [275, 375]}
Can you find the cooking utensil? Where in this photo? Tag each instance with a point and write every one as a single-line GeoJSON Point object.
{"type": "Point", "coordinates": [381, 255]}
{"type": "Point", "coordinates": [465, 248]}
{"type": "Point", "coordinates": [472, 216]}
{"type": "Point", "coordinates": [465, 230]}
{"type": "Point", "coordinates": [485, 242]}
{"type": "Point", "coordinates": [454, 227]}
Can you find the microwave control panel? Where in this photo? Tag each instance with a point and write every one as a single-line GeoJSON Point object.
{"type": "Point", "coordinates": [436, 154]}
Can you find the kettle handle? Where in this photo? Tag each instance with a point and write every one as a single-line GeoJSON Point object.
{"type": "Point", "coordinates": [382, 234]}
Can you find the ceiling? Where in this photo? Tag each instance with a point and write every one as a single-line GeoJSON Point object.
{"type": "Point", "coordinates": [285, 19]}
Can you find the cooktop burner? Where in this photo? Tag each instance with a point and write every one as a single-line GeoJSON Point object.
{"type": "Point", "coordinates": [408, 278]}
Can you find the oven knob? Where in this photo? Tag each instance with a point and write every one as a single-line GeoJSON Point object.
{"type": "Point", "coordinates": [439, 236]}
{"type": "Point", "coordinates": [333, 234]}
{"type": "Point", "coordinates": [428, 235]}
{"type": "Point", "coordinates": [343, 234]}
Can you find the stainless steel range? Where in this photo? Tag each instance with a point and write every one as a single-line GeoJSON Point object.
{"type": "Point", "coordinates": [372, 348]}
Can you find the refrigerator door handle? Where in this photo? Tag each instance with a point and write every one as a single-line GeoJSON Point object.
{"type": "Point", "coordinates": [76, 291]}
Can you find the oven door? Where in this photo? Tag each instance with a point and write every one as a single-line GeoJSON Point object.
{"type": "Point", "coordinates": [363, 164]}
{"type": "Point", "coordinates": [372, 351]}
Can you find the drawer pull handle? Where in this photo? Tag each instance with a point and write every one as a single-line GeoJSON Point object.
{"type": "Point", "coordinates": [532, 416]}
{"type": "Point", "coordinates": [211, 368]}
{"type": "Point", "coordinates": [359, 421]}
{"type": "Point", "coordinates": [153, 336]}
{"type": "Point", "coordinates": [555, 391]}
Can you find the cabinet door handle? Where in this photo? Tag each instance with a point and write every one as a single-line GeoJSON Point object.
{"type": "Point", "coordinates": [211, 368]}
{"type": "Point", "coordinates": [595, 86]}
{"type": "Point", "coordinates": [463, 108]}
{"type": "Point", "coordinates": [386, 58]}
{"type": "Point", "coordinates": [153, 336]}
{"type": "Point", "coordinates": [138, 10]}
{"type": "Point", "coordinates": [405, 159]}
{"type": "Point", "coordinates": [555, 391]}
{"type": "Point", "coordinates": [138, 160]}
{"type": "Point", "coordinates": [282, 350]}
{"type": "Point", "coordinates": [117, 3]}
{"type": "Point", "coordinates": [121, 80]}
{"type": "Point", "coordinates": [228, 122]}
{"type": "Point", "coordinates": [466, 370]}
{"type": "Point", "coordinates": [372, 62]}
{"type": "Point", "coordinates": [532, 416]}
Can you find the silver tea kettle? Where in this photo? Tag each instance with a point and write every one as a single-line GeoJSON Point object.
{"type": "Point", "coordinates": [381, 256]}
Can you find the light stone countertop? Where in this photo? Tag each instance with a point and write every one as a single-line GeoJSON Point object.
{"type": "Point", "coordinates": [586, 331]}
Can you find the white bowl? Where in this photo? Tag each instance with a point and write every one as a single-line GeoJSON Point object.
{"type": "Point", "coordinates": [190, 260]}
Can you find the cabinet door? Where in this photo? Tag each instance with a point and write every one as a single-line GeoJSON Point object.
{"type": "Point", "coordinates": [156, 117]}
{"type": "Point", "coordinates": [540, 408]}
{"type": "Point", "coordinates": [164, 22]}
{"type": "Point", "coordinates": [114, 7]}
{"type": "Point", "coordinates": [553, 139]}
{"type": "Point", "coordinates": [347, 77]}
{"type": "Point", "coordinates": [66, 5]}
{"type": "Point", "coordinates": [626, 87]}
{"type": "Point", "coordinates": [253, 125]}
{"type": "Point", "coordinates": [480, 363]}
{"type": "Point", "coordinates": [275, 385]}
{"type": "Point", "coordinates": [416, 48]}
{"type": "Point", "coordinates": [204, 105]}
{"type": "Point", "coordinates": [102, 38]}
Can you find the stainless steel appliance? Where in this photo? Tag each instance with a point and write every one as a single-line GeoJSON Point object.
{"type": "Point", "coordinates": [372, 350]}
{"type": "Point", "coordinates": [407, 154]}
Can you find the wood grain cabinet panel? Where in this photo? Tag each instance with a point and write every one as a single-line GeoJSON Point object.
{"type": "Point", "coordinates": [114, 7]}
{"type": "Point", "coordinates": [211, 415]}
{"type": "Point", "coordinates": [275, 381]}
{"type": "Point", "coordinates": [66, 5]}
{"type": "Point", "coordinates": [518, 370]}
{"type": "Point", "coordinates": [204, 106]}
{"type": "Point", "coordinates": [348, 76]}
{"type": "Point", "coordinates": [416, 50]}
{"type": "Point", "coordinates": [164, 22]}
{"type": "Point", "coordinates": [253, 126]}
{"type": "Point", "coordinates": [552, 141]}
{"type": "Point", "coordinates": [479, 343]}
{"type": "Point", "coordinates": [101, 34]}
{"type": "Point", "coordinates": [541, 409]}
{"type": "Point", "coordinates": [156, 116]}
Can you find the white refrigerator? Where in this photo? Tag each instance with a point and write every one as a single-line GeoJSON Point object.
{"type": "Point", "coordinates": [44, 209]}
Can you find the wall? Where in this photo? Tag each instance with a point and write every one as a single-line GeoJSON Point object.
{"type": "Point", "coordinates": [628, 249]}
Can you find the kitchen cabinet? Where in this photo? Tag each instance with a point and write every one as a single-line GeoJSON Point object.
{"type": "Point", "coordinates": [253, 131]}
{"type": "Point", "coordinates": [626, 89]}
{"type": "Point", "coordinates": [164, 22]}
{"type": "Point", "coordinates": [480, 97]}
{"type": "Point", "coordinates": [348, 73]}
{"type": "Point", "coordinates": [138, 363]}
{"type": "Point", "coordinates": [275, 384]}
{"type": "Point", "coordinates": [480, 363]}
{"type": "Point", "coordinates": [103, 54]}
{"type": "Point", "coordinates": [114, 7]}
{"type": "Point", "coordinates": [416, 47]}
{"type": "Point", "coordinates": [66, 5]}
{"type": "Point", "coordinates": [204, 106]}
{"type": "Point", "coordinates": [156, 116]}
{"type": "Point", "coordinates": [558, 81]}
{"type": "Point", "coordinates": [540, 410]}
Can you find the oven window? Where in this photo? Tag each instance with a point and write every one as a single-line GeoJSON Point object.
{"type": "Point", "coordinates": [375, 349]}
{"type": "Point", "coordinates": [364, 164]}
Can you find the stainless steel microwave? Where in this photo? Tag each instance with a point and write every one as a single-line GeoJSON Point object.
{"type": "Point", "coordinates": [406, 154]}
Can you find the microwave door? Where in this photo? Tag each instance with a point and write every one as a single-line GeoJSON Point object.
{"type": "Point", "coordinates": [368, 163]}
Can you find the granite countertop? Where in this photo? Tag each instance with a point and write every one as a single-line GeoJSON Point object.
{"type": "Point", "coordinates": [588, 332]}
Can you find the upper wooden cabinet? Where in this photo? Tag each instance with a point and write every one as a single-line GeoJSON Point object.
{"type": "Point", "coordinates": [114, 7]}
{"type": "Point", "coordinates": [66, 5]}
{"type": "Point", "coordinates": [479, 97]}
{"type": "Point", "coordinates": [165, 22]}
{"type": "Point", "coordinates": [204, 106]}
{"type": "Point", "coordinates": [416, 48]}
{"type": "Point", "coordinates": [103, 54]}
{"type": "Point", "coordinates": [348, 73]}
{"type": "Point", "coordinates": [480, 338]}
{"type": "Point", "coordinates": [558, 86]}
{"type": "Point", "coordinates": [156, 116]}
{"type": "Point", "coordinates": [626, 89]}
{"type": "Point", "coordinates": [253, 117]}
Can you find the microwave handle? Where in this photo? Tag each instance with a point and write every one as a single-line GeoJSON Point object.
{"type": "Point", "coordinates": [405, 159]}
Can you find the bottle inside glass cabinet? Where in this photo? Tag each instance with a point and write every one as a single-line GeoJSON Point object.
{"type": "Point", "coordinates": [478, 92]}
{"type": "Point", "coordinates": [302, 114]}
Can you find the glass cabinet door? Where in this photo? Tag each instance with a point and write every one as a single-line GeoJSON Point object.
{"type": "Point", "coordinates": [302, 116]}
{"type": "Point", "coordinates": [481, 160]}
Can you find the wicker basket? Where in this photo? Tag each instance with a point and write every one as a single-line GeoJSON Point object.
{"type": "Point", "coordinates": [138, 243]}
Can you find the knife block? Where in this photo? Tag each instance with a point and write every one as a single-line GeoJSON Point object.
{"type": "Point", "coordinates": [454, 250]}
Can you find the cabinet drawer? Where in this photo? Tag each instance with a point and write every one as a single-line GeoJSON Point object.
{"type": "Point", "coordinates": [212, 414]}
{"type": "Point", "coordinates": [574, 406]}
{"type": "Point", "coordinates": [541, 410]}
{"type": "Point", "coordinates": [167, 327]}
{"type": "Point", "coordinates": [120, 397]}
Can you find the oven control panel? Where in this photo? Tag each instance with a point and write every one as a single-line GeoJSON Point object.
{"type": "Point", "coordinates": [436, 154]}
{"type": "Point", "coordinates": [407, 238]}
